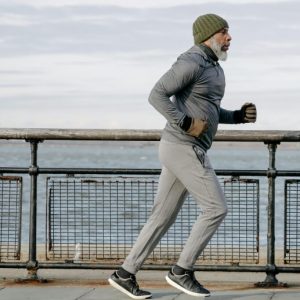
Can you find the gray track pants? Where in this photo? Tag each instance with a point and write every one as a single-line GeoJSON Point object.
{"type": "Point", "coordinates": [185, 168]}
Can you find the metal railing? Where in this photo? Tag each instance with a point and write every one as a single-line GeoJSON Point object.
{"type": "Point", "coordinates": [99, 218]}
{"type": "Point", "coordinates": [10, 217]}
{"type": "Point", "coordinates": [96, 222]}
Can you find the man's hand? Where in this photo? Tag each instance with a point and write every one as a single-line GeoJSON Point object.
{"type": "Point", "coordinates": [247, 114]}
{"type": "Point", "coordinates": [198, 127]}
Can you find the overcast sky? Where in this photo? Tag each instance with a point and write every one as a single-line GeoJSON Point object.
{"type": "Point", "coordinates": [92, 63]}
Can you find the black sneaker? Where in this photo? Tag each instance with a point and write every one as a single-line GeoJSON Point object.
{"type": "Point", "coordinates": [128, 286]}
{"type": "Point", "coordinates": [187, 283]}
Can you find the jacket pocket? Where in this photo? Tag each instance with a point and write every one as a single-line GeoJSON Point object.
{"type": "Point", "coordinates": [200, 155]}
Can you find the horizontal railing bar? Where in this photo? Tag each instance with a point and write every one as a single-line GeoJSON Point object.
{"type": "Point", "coordinates": [105, 171]}
{"type": "Point", "coordinates": [13, 264]}
{"type": "Point", "coordinates": [100, 171]}
{"type": "Point", "coordinates": [73, 171]}
{"type": "Point", "coordinates": [143, 171]}
{"type": "Point", "coordinates": [272, 136]}
{"type": "Point", "coordinates": [220, 268]}
{"type": "Point", "coordinates": [241, 172]}
{"type": "Point", "coordinates": [155, 267]}
{"type": "Point", "coordinates": [288, 173]}
{"type": "Point", "coordinates": [208, 268]}
{"type": "Point", "coordinates": [279, 173]}
{"type": "Point", "coordinates": [13, 170]}
{"type": "Point", "coordinates": [286, 269]}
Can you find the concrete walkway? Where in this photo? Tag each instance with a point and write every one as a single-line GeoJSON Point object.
{"type": "Point", "coordinates": [92, 285]}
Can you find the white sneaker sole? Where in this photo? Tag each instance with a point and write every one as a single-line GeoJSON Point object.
{"type": "Point", "coordinates": [177, 286]}
{"type": "Point", "coordinates": [121, 289]}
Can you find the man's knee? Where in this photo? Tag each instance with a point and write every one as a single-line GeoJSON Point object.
{"type": "Point", "coordinates": [218, 213]}
{"type": "Point", "coordinates": [221, 212]}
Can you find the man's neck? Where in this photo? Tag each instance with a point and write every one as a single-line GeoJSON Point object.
{"type": "Point", "coordinates": [209, 52]}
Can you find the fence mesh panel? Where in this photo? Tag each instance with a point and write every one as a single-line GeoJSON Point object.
{"type": "Point", "coordinates": [98, 219]}
{"type": "Point", "coordinates": [237, 239]}
{"type": "Point", "coordinates": [10, 217]}
{"type": "Point", "coordinates": [292, 222]}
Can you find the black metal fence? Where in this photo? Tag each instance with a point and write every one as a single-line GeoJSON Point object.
{"type": "Point", "coordinates": [292, 222]}
{"type": "Point", "coordinates": [98, 219]}
{"type": "Point", "coordinates": [10, 217]}
{"type": "Point", "coordinates": [94, 215]}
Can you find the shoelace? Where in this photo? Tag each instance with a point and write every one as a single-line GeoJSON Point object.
{"type": "Point", "coordinates": [188, 273]}
{"type": "Point", "coordinates": [191, 274]}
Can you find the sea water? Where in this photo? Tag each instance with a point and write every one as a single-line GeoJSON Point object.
{"type": "Point", "coordinates": [120, 154]}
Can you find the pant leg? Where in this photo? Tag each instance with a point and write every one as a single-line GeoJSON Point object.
{"type": "Point", "coordinates": [199, 178]}
{"type": "Point", "coordinates": [168, 201]}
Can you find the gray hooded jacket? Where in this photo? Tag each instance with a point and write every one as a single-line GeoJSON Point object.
{"type": "Point", "coordinates": [196, 83]}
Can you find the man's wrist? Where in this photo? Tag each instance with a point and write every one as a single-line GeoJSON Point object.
{"type": "Point", "coordinates": [238, 116]}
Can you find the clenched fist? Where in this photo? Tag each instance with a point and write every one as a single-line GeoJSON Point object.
{"type": "Point", "coordinates": [247, 114]}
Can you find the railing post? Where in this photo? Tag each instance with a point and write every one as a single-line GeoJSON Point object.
{"type": "Point", "coordinates": [32, 264]}
{"type": "Point", "coordinates": [271, 269]}
{"type": "Point", "coordinates": [271, 272]}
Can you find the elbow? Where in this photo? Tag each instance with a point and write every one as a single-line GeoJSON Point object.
{"type": "Point", "coordinates": [152, 99]}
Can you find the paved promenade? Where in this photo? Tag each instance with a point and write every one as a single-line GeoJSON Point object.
{"type": "Point", "coordinates": [92, 285]}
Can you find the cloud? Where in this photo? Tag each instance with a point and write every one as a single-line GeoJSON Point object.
{"type": "Point", "coordinates": [94, 65]}
{"type": "Point", "coordinates": [136, 3]}
{"type": "Point", "coordinates": [100, 29]}
{"type": "Point", "coordinates": [11, 19]}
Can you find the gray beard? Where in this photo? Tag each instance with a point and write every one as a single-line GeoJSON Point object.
{"type": "Point", "coordinates": [217, 48]}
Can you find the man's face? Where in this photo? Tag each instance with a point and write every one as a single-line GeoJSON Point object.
{"type": "Point", "coordinates": [220, 43]}
{"type": "Point", "coordinates": [223, 38]}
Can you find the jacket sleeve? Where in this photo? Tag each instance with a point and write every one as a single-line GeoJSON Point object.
{"type": "Point", "coordinates": [226, 116]}
{"type": "Point", "coordinates": [181, 74]}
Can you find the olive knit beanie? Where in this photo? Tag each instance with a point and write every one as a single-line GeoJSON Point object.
{"type": "Point", "coordinates": [206, 26]}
